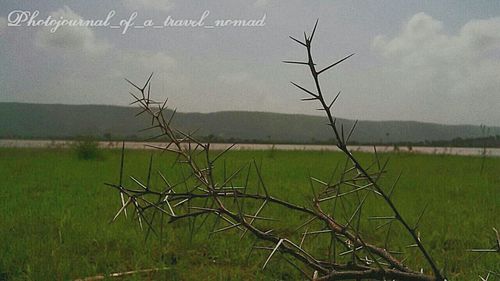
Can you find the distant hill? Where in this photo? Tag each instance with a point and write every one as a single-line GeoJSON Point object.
{"type": "Point", "coordinates": [24, 120]}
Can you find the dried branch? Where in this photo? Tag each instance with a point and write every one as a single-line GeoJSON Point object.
{"type": "Point", "coordinates": [206, 194]}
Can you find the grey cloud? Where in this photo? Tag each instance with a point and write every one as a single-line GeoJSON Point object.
{"type": "Point", "coordinates": [141, 62]}
{"type": "Point", "coordinates": [421, 68]}
{"type": "Point", "coordinates": [260, 3]}
{"type": "Point", "coordinates": [234, 77]}
{"type": "Point", "coordinates": [3, 25]}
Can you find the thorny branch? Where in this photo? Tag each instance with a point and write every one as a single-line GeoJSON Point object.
{"type": "Point", "coordinates": [203, 192]}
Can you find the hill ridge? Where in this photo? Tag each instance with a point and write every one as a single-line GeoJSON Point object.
{"type": "Point", "coordinates": [33, 120]}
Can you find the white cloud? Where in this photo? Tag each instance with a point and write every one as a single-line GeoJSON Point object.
{"type": "Point", "coordinates": [70, 38]}
{"type": "Point", "coordinates": [423, 40]}
{"type": "Point", "coordinates": [162, 5]}
{"type": "Point", "coordinates": [437, 71]}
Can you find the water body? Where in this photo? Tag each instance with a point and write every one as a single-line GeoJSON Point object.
{"type": "Point", "coordinates": [470, 151]}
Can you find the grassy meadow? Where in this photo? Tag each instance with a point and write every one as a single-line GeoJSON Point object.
{"type": "Point", "coordinates": [55, 212]}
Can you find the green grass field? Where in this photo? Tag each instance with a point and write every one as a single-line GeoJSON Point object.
{"type": "Point", "coordinates": [55, 213]}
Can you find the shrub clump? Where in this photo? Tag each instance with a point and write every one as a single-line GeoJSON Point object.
{"type": "Point", "coordinates": [87, 149]}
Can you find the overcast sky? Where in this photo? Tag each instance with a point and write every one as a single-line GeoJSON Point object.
{"type": "Point", "coordinates": [435, 61]}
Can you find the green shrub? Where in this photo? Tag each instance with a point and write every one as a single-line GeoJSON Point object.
{"type": "Point", "coordinates": [87, 149]}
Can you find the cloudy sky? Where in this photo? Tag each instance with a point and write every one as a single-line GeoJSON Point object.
{"type": "Point", "coordinates": [435, 61]}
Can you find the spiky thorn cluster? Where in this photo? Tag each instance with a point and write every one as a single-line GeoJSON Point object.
{"type": "Point", "coordinates": [328, 245]}
{"type": "Point", "coordinates": [495, 249]}
{"type": "Point", "coordinates": [342, 141]}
